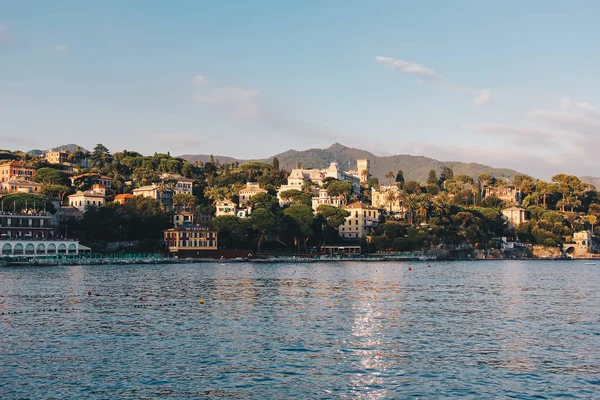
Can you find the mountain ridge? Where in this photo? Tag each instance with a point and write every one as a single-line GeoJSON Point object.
{"type": "Point", "coordinates": [414, 167]}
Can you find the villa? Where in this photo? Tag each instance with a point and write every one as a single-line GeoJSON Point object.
{"type": "Point", "coordinates": [20, 186]}
{"type": "Point", "coordinates": [515, 216]}
{"type": "Point", "coordinates": [251, 190]}
{"type": "Point", "coordinates": [363, 219]}
{"type": "Point", "coordinates": [182, 184]}
{"type": "Point", "coordinates": [324, 198]}
{"type": "Point", "coordinates": [90, 198]}
{"type": "Point", "coordinates": [387, 198]}
{"type": "Point", "coordinates": [16, 170]}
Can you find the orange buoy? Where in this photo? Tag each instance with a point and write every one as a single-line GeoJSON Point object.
{"type": "Point", "coordinates": [409, 268]}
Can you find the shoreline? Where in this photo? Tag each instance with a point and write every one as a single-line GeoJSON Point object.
{"type": "Point", "coordinates": [291, 260]}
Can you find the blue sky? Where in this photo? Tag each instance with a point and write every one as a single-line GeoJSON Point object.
{"type": "Point", "coordinates": [511, 84]}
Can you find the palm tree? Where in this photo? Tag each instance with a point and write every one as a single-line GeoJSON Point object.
{"type": "Point", "coordinates": [390, 176]}
{"type": "Point", "coordinates": [423, 203]}
{"type": "Point", "coordinates": [390, 197]}
{"type": "Point", "coordinates": [409, 204]}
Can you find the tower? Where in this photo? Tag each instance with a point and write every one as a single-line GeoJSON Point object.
{"type": "Point", "coordinates": [363, 170]}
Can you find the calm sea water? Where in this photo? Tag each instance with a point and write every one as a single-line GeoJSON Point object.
{"type": "Point", "coordinates": [498, 329]}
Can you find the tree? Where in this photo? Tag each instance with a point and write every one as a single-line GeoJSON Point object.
{"type": "Point", "coordinates": [57, 191]}
{"type": "Point", "coordinates": [412, 187]}
{"type": "Point", "coordinates": [185, 200]}
{"type": "Point", "coordinates": [333, 217]}
{"type": "Point", "coordinates": [49, 176]}
{"type": "Point", "coordinates": [447, 174]}
{"type": "Point", "coordinates": [294, 196]}
{"type": "Point", "coordinates": [100, 155]}
{"type": "Point", "coordinates": [390, 176]}
{"type": "Point", "coordinates": [390, 197]}
{"type": "Point", "coordinates": [264, 201]}
{"type": "Point", "coordinates": [263, 222]}
{"type": "Point", "coordinates": [592, 220]}
{"type": "Point", "coordinates": [275, 165]}
{"type": "Point", "coordinates": [21, 202]}
{"type": "Point", "coordinates": [337, 188]}
{"type": "Point", "coordinates": [432, 179]}
{"type": "Point", "coordinates": [299, 224]}
{"type": "Point", "coordinates": [400, 178]}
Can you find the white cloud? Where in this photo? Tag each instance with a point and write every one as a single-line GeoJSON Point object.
{"type": "Point", "coordinates": [61, 48]}
{"type": "Point", "coordinates": [199, 79]}
{"type": "Point", "coordinates": [425, 74]}
{"type": "Point", "coordinates": [483, 98]}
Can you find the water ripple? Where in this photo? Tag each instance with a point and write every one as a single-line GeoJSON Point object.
{"type": "Point", "coordinates": [526, 330]}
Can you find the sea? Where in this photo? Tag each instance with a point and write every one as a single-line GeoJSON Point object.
{"type": "Point", "coordinates": [378, 330]}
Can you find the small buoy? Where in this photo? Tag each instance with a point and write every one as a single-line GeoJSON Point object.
{"type": "Point", "coordinates": [89, 293]}
{"type": "Point", "coordinates": [201, 301]}
{"type": "Point", "coordinates": [428, 266]}
{"type": "Point", "coordinates": [409, 268]}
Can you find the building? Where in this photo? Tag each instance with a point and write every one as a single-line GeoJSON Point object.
{"type": "Point", "coordinates": [298, 177]}
{"type": "Point", "coordinates": [333, 171]}
{"type": "Point", "coordinates": [16, 170]}
{"type": "Point", "coordinates": [324, 198]}
{"type": "Point", "coordinates": [57, 157]}
{"type": "Point", "coordinates": [584, 244]}
{"type": "Point", "coordinates": [510, 195]}
{"type": "Point", "coordinates": [387, 198]}
{"type": "Point", "coordinates": [89, 198]}
{"type": "Point", "coordinates": [363, 219]}
{"type": "Point", "coordinates": [190, 241]}
{"type": "Point", "coordinates": [251, 190]}
{"type": "Point", "coordinates": [123, 199]}
{"type": "Point", "coordinates": [226, 207]}
{"type": "Point", "coordinates": [515, 216]}
{"type": "Point", "coordinates": [31, 233]}
{"type": "Point", "coordinates": [243, 212]}
{"type": "Point", "coordinates": [362, 167]}
{"type": "Point", "coordinates": [95, 179]}
{"type": "Point", "coordinates": [161, 194]}
{"type": "Point", "coordinates": [183, 218]}
{"type": "Point", "coordinates": [20, 186]}
{"type": "Point", "coordinates": [204, 219]}
{"type": "Point", "coordinates": [182, 184]}
{"type": "Point", "coordinates": [67, 212]}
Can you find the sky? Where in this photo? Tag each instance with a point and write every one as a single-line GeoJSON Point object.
{"type": "Point", "coordinates": [512, 84]}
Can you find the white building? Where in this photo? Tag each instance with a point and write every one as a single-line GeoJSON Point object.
{"type": "Point", "coordinates": [94, 198]}
{"type": "Point", "coordinates": [515, 216]}
{"type": "Point", "coordinates": [182, 184]}
{"type": "Point", "coordinates": [363, 219]}
{"type": "Point", "coordinates": [226, 207]}
{"type": "Point", "coordinates": [387, 198]}
{"type": "Point", "coordinates": [251, 190]}
{"type": "Point", "coordinates": [324, 198]}
{"type": "Point", "coordinates": [298, 177]}
{"type": "Point", "coordinates": [20, 186]}
{"type": "Point", "coordinates": [161, 194]}
{"type": "Point", "coordinates": [95, 178]}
